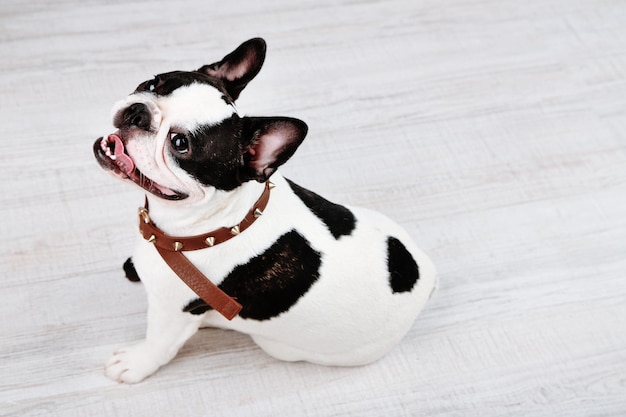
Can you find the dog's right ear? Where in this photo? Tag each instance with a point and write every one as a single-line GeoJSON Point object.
{"type": "Point", "coordinates": [239, 67]}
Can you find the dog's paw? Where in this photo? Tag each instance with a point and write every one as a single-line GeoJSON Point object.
{"type": "Point", "coordinates": [132, 364]}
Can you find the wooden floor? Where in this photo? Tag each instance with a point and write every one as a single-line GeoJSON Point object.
{"type": "Point", "coordinates": [495, 131]}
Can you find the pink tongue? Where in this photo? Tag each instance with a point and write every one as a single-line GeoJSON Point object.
{"type": "Point", "coordinates": [122, 160]}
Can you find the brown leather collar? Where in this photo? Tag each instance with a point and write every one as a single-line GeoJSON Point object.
{"type": "Point", "coordinates": [170, 248]}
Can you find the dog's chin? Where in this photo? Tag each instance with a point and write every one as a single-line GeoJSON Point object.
{"type": "Point", "coordinates": [118, 163]}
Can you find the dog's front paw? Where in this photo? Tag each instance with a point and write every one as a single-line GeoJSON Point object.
{"type": "Point", "coordinates": [132, 364]}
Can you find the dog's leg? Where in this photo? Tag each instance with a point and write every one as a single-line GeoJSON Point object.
{"type": "Point", "coordinates": [130, 271]}
{"type": "Point", "coordinates": [168, 330]}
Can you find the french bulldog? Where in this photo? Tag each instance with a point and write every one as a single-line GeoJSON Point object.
{"type": "Point", "coordinates": [317, 281]}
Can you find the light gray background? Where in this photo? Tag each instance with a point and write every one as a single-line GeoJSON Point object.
{"type": "Point", "coordinates": [494, 131]}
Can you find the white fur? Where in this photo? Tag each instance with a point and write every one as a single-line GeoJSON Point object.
{"type": "Point", "coordinates": [348, 317]}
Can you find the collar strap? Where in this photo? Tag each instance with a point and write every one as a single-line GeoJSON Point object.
{"type": "Point", "coordinates": [170, 248]}
{"type": "Point", "coordinates": [153, 234]}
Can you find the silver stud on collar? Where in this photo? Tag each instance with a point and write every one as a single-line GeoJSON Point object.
{"type": "Point", "coordinates": [178, 246]}
{"type": "Point", "coordinates": [235, 231]}
{"type": "Point", "coordinates": [210, 240]}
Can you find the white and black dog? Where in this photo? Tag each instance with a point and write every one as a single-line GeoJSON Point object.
{"type": "Point", "coordinates": [317, 281]}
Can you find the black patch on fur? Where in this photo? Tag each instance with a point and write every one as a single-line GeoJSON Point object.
{"type": "Point", "coordinates": [197, 307]}
{"type": "Point", "coordinates": [339, 220]}
{"type": "Point", "coordinates": [219, 154]}
{"type": "Point", "coordinates": [131, 272]}
{"type": "Point", "coordinates": [272, 282]}
{"type": "Point", "coordinates": [165, 84]}
{"type": "Point", "coordinates": [215, 154]}
{"type": "Point", "coordinates": [403, 270]}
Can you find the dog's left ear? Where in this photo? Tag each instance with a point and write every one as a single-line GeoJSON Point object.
{"type": "Point", "coordinates": [239, 67]}
{"type": "Point", "coordinates": [268, 143]}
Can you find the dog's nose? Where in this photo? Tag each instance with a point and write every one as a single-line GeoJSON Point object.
{"type": "Point", "coordinates": [137, 114]}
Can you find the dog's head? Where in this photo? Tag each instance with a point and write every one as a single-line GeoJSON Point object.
{"type": "Point", "coordinates": [179, 133]}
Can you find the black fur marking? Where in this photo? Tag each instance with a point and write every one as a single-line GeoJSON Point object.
{"type": "Point", "coordinates": [403, 270]}
{"type": "Point", "coordinates": [197, 307]}
{"type": "Point", "coordinates": [215, 154]}
{"type": "Point", "coordinates": [220, 155]}
{"type": "Point", "coordinates": [165, 84]}
{"type": "Point", "coordinates": [272, 282]}
{"type": "Point", "coordinates": [339, 220]}
{"type": "Point", "coordinates": [131, 272]}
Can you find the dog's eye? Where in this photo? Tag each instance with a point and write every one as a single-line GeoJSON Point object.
{"type": "Point", "coordinates": [180, 143]}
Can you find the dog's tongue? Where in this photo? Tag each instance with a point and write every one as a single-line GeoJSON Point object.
{"type": "Point", "coordinates": [122, 160]}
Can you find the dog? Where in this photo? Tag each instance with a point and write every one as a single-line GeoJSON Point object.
{"type": "Point", "coordinates": [315, 281]}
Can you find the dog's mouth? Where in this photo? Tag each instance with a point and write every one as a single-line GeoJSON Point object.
{"type": "Point", "coordinates": [112, 156]}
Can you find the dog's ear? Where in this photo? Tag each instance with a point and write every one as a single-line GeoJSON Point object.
{"type": "Point", "coordinates": [239, 67]}
{"type": "Point", "coordinates": [268, 143]}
